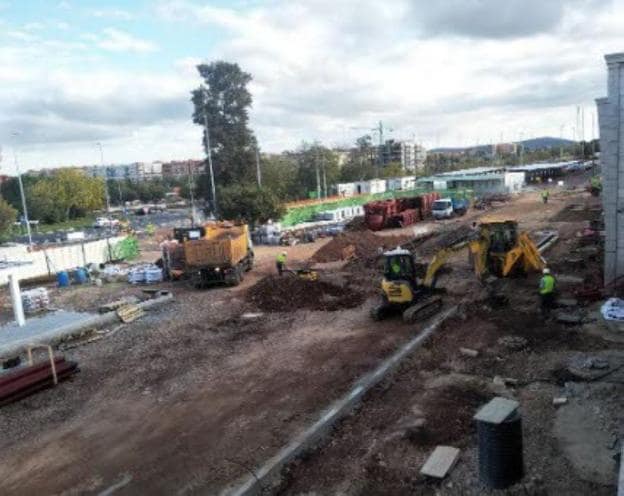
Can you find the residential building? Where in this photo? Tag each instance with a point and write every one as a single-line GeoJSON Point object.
{"type": "Point", "coordinates": [182, 168]}
{"type": "Point", "coordinates": [410, 155]}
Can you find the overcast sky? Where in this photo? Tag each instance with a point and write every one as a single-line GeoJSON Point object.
{"type": "Point", "coordinates": [445, 72]}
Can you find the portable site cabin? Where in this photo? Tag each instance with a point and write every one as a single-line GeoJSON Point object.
{"type": "Point", "coordinates": [405, 183]}
{"type": "Point", "coordinates": [371, 187]}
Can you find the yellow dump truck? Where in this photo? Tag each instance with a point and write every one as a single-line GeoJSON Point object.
{"type": "Point", "coordinates": [221, 255]}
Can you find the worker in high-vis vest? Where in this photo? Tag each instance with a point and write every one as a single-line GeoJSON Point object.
{"type": "Point", "coordinates": [547, 289]}
{"type": "Point", "coordinates": [280, 262]}
{"type": "Point", "coordinates": [545, 195]}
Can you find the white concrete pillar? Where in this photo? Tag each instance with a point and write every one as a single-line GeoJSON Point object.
{"type": "Point", "coordinates": [16, 299]}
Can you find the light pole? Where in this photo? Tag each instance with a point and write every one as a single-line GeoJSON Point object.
{"type": "Point", "coordinates": [99, 145]}
{"type": "Point", "coordinates": [108, 215]}
{"type": "Point", "coordinates": [209, 154]}
{"type": "Point", "coordinates": [21, 188]}
{"type": "Point", "coordinates": [191, 180]}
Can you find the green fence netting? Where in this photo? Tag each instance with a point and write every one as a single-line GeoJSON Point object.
{"type": "Point", "coordinates": [126, 249]}
{"type": "Point", "coordinates": [306, 213]}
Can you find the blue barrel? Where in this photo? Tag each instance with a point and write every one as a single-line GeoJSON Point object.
{"type": "Point", "coordinates": [80, 276]}
{"type": "Point", "coordinates": [63, 279]}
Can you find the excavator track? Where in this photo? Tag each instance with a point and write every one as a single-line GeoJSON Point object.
{"type": "Point", "coordinates": [422, 310]}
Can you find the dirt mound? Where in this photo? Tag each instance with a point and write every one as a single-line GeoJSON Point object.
{"type": "Point", "coordinates": [288, 293]}
{"type": "Point", "coordinates": [449, 414]}
{"type": "Point", "coordinates": [362, 244]}
{"type": "Point", "coordinates": [446, 238]}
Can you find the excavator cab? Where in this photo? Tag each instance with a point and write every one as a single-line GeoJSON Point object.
{"type": "Point", "coordinates": [505, 251]}
{"type": "Point", "coordinates": [400, 290]}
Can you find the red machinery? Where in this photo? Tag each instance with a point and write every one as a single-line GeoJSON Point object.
{"type": "Point", "coordinates": [399, 212]}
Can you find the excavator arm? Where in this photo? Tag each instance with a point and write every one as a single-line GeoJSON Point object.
{"type": "Point", "coordinates": [478, 249]}
{"type": "Point", "coordinates": [525, 249]}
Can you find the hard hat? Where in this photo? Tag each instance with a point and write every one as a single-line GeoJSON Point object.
{"type": "Point", "coordinates": [546, 271]}
{"type": "Point", "coordinates": [284, 253]}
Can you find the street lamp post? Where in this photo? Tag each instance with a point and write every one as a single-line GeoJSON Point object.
{"type": "Point", "coordinates": [108, 215]}
{"type": "Point", "coordinates": [21, 188]}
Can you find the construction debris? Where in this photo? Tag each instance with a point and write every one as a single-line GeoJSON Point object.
{"type": "Point", "coordinates": [35, 300]}
{"type": "Point", "coordinates": [560, 401]}
{"type": "Point", "coordinates": [114, 305]}
{"type": "Point", "coordinates": [440, 462]}
{"type": "Point", "coordinates": [129, 313]}
{"type": "Point", "coordinates": [469, 352]}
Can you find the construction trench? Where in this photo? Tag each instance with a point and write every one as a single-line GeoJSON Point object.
{"type": "Point", "coordinates": [199, 395]}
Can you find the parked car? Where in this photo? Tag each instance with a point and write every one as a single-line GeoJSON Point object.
{"type": "Point", "coordinates": [105, 222]}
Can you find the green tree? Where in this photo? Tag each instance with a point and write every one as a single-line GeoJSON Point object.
{"type": "Point", "coordinates": [11, 193]}
{"type": "Point", "coordinates": [313, 158]}
{"type": "Point", "coordinates": [392, 169]}
{"type": "Point", "coordinates": [279, 175]}
{"type": "Point", "coordinates": [68, 194]}
{"type": "Point", "coordinates": [8, 215]}
{"type": "Point", "coordinates": [224, 101]}
{"type": "Point", "coordinates": [249, 203]}
{"type": "Point", "coordinates": [361, 163]}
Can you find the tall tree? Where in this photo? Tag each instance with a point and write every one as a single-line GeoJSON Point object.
{"type": "Point", "coordinates": [318, 167]}
{"type": "Point", "coordinates": [223, 100]}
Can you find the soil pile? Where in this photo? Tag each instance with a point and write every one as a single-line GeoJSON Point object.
{"type": "Point", "coordinates": [365, 243]}
{"type": "Point", "coordinates": [445, 239]}
{"type": "Point", "coordinates": [288, 293]}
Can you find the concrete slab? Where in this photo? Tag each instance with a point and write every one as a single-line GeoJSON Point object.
{"type": "Point", "coordinates": [496, 411]}
{"type": "Point", "coordinates": [440, 462]}
{"type": "Point", "coordinates": [40, 329]}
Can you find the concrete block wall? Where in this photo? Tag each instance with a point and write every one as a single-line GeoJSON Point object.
{"type": "Point", "coordinates": [611, 125]}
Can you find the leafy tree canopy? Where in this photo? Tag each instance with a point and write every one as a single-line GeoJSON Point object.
{"type": "Point", "coordinates": [249, 203]}
{"type": "Point", "coordinates": [224, 101]}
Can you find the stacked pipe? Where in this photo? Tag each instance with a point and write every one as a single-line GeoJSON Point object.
{"type": "Point", "coordinates": [24, 381]}
{"type": "Point", "coordinates": [398, 212]}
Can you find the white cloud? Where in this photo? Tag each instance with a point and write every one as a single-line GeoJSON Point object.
{"type": "Point", "coordinates": [116, 40]}
{"type": "Point", "coordinates": [117, 14]}
{"type": "Point", "coordinates": [319, 68]}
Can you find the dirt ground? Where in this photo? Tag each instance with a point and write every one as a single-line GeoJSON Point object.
{"type": "Point", "coordinates": [201, 391]}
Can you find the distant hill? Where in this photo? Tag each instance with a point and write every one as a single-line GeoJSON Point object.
{"type": "Point", "coordinates": [545, 142]}
{"type": "Point", "coordinates": [529, 144]}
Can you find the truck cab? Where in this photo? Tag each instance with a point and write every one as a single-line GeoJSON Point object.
{"type": "Point", "coordinates": [442, 208]}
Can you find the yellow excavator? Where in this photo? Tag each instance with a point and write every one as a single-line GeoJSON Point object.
{"type": "Point", "coordinates": [495, 247]}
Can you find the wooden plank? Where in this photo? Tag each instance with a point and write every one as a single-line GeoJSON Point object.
{"type": "Point", "coordinates": [440, 462]}
{"type": "Point", "coordinates": [496, 411]}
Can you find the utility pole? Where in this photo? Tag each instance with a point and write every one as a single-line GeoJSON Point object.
{"type": "Point", "coordinates": [108, 214]}
{"type": "Point", "coordinates": [561, 145]}
{"type": "Point", "coordinates": [21, 188]}
{"type": "Point", "coordinates": [191, 181]}
{"type": "Point", "coordinates": [210, 169]}
{"type": "Point", "coordinates": [318, 176]}
{"type": "Point", "coordinates": [258, 172]}
{"type": "Point", "coordinates": [324, 178]}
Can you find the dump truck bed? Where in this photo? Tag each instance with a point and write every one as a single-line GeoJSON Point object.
{"type": "Point", "coordinates": [221, 247]}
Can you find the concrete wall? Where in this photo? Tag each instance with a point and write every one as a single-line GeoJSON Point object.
{"type": "Point", "coordinates": [53, 259]}
{"type": "Point", "coordinates": [610, 120]}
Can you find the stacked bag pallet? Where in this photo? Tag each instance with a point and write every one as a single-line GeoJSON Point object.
{"type": "Point", "coordinates": [35, 300]}
{"type": "Point", "coordinates": [145, 274]}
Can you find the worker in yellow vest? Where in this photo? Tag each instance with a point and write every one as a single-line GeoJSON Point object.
{"type": "Point", "coordinates": [545, 195]}
{"type": "Point", "coordinates": [280, 262]}
{"type": "Point", "coordinates": [547, 289]}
